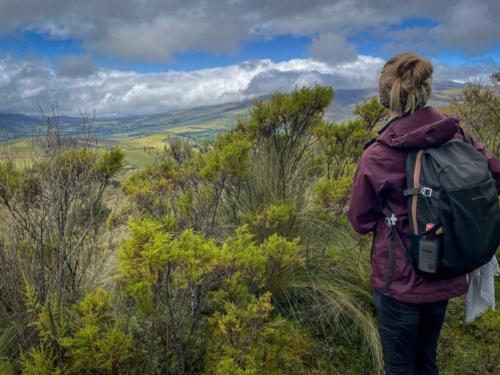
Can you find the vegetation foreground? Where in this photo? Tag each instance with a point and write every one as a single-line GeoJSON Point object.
{"type": "Point", "coordinates": [232, 257]}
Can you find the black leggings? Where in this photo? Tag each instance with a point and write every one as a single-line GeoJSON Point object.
{"type": "Point", "coordinates": [409, 334]}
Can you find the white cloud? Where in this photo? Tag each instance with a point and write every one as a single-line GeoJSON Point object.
{"type": "Point", "coordinates": [468, 26]}
{"type": "Point", "coordinates": [26, 84]}
{"type": "Point", "coordinates": [467, 73]}
{"type": "Point", "coordinates": [75, 66]}
{"type": "Point", "coordinates": [332, 47]}
{"type": "Point", "coordinates": [154, 30]}
{"type": "Point", "coordinates": [158, 39]}
{"type": "Point", "coordinates": [471, 25]}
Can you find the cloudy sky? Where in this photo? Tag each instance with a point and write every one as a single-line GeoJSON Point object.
{"type": "Point", "coordinates": [150, 56]}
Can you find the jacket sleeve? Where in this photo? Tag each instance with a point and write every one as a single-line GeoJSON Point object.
{"type": "Point", "coordinates": [493, 162]}
{"type": "Point", "coordinates": [365, 205]}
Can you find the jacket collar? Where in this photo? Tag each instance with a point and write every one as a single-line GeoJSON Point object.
{"type": "Point", "coordinates": [388, 123]}
{"type": "Point", "coordinates": [426, 127]}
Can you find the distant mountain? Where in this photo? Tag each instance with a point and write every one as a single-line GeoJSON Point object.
{"type": "Point", "coordinates": [200, 122]}
{"type": "Point", "coordinates": [15, 125]}
{"type": "Point", "coordinates": [443, 85]}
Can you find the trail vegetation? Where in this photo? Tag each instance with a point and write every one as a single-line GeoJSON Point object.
{"type": "Point", "coordinates": [231, 257]}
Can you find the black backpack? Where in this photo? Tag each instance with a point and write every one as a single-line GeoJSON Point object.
{"type": "Point", "coordinates": [453, 211]}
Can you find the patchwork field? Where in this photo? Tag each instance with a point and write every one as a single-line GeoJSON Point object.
{"type": "Point", "coordinates": [142, 137]}
{"type": "Point", "coordinates": [139, 151]}
{"type": "Point", "coordinates": [141, 141]}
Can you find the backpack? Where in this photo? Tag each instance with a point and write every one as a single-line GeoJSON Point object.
{"type": "Point", "coordinates": [453, 211]}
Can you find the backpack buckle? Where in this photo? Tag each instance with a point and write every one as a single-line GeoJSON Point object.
{"type": "Point", "coordinates": [426, 192]}
{"type": "Point", "coordinates": [391, 221]}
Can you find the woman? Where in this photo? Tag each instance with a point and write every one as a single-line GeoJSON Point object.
{"type": "Point", "coordinates": [410, 309]}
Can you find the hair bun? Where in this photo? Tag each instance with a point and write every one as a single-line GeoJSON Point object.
{"type": "Point", "coordinates": [406, 67]}
{"type": "Point", "coordinates": [405, 83]}
{"type": "Point", "coordinates": [414, 72]}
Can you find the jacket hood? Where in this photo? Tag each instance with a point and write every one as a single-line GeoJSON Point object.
{"type": "Point", "coordinates": [426, 127]}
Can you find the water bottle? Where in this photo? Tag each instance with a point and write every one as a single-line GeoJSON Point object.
{"type": "Point", "coordinates": [428, 252]}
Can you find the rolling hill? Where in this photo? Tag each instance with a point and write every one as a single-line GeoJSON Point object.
{"type": "Point", "coordinates": [141, 135]}
{"type": "Point", "coordinates": [197, 122]}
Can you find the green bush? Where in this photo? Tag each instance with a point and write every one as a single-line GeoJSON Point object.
{"type": "Point", "coordinates": [237, 258]}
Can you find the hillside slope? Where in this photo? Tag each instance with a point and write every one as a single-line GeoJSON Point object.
{"type": "Point", "coordinates": [198, 123]}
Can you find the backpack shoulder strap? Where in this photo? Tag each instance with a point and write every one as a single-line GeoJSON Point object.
{"type": "Point", "coordinates": [464, 136]}
{"type": "Point", "coordinates": [391, 222]}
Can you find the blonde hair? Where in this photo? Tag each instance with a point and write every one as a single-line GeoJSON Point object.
{"type": "Point", "coordinates": [405, 83]}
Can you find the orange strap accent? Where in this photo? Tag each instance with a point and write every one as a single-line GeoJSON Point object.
{"type": "Point", "coordinates": [416, 182]}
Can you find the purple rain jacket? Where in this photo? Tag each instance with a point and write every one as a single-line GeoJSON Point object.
{"type": "Point", "coordinates": [381, 177]}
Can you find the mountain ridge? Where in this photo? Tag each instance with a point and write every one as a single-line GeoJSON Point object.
{"type": "Point", "coordinates": [200, 122]}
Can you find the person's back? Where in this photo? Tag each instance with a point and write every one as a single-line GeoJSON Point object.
{"type": "Point", "coordinates": [410, 309]}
